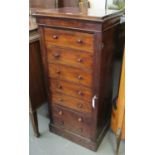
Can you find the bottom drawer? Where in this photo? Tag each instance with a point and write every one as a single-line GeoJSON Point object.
{"type": "Point", "coordinates": [72, 121]}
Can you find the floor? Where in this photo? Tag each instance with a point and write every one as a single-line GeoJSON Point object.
{"type": "Point", "coordinates": [51, 144]}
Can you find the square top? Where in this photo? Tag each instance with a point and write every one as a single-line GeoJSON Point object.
{"type": "Point", "coordinates": [76, 13]}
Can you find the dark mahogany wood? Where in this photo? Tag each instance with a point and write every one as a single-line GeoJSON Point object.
{"type": "Point", "coordinates": [76, 14]}
{"type": "Point", "coordinates": [75, 58]}
{"type": "Point", "coordinates": [36, 83]}
{"type": "Point", "coordinates": [34, 120]}
{"type": "Point", "coordinates": [72, 121]}
{"type": "Point", "coordinates": [63, 72]}
{"type": "Point", "coordinates": [72, 89]}
{"type": "Point", "coordinates": [72, 39]}
{"type": "Point", "coordinates": [71, 102]}
{"type": "Point", "coordinates": [78, 53]}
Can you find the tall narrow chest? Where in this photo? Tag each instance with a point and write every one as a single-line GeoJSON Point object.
{"type": "Point", "coordinates": [77, 54]}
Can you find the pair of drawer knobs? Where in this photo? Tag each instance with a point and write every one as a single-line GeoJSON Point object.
{"type": "Point", "coordinates": [57, 55]}
{"type": "Point", "coordinates": [79, 76]}
{"type": "Point", "coordinates": [79, 119]}
{"type": "Point", "coordinates": [78, 41]}
{"type": "Point", "coordinates": [79, 92]}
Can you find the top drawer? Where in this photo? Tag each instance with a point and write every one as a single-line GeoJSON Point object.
{"type": "Point", "coordinates": [72, 39]}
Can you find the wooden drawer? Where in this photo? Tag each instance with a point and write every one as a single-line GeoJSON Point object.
{"type": "Point", "coordinates": [71, 102]}
{"type": "Point", "coordinates": [74, 122]}
{"type": "Point", "coordinates": [71, 89]}
{"type": "Point", "coordinates": [70, 57]}
{"type": "Point", "coordinates": [72, 39]}
{"type": "Point", "coordinates": [63, 72]}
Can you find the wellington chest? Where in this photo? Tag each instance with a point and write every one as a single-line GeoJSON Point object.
{"type": "Point", "coordinates": [77, 53]}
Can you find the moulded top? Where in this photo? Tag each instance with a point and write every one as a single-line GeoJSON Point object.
{"type": "Point", "coordinates": [77, 13]}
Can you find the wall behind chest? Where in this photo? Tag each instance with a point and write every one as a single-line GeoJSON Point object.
{"type": "Point", "coordinates": [52, 3]}
{"type": "Point", "coordinates": [97, 4]}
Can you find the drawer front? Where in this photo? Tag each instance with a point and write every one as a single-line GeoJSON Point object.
{"type": "Point", "coordinates": [71, 89]}
{"type": "Point", "coordinates": [78, 76]}
{"type": "Point", "coordinates": [72, 121]}
{"type": "Point", "coordinates": [76, 58]}
{"type": "Point", "coordinates": [71, 102]}
{"type": "Point", "coordinates": [72, 39]}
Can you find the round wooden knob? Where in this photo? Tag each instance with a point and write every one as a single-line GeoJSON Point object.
{"type": "Point", "coordinates": [60, 112]}
{"type": "Point", "coordinates": [79, 60]}
{"type": "Point", "coordinates": [56, 55]}
{"type": "Point", "coordinates": [80, 105]}
{"type": "Point", "coordinates": [80, 93]}
{"type": "Point", "coordinates": [55, 37]}
{"type": "Point", "coordinates": [80, 119]}
{"type": "Point", "coordinates": [80, 77]}
{"type": "Point", "coordinates": [79, 41]}
{"type": "Point", "coordinates": [58, 72]}
{"type": "Point", "coordinates": [60, 87]}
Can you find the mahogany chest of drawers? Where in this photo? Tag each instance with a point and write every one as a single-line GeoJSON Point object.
{"type": "Point", "coordinates": [77, 53]}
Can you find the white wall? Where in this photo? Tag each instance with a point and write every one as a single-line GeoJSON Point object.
{"type": "Point", "coordinates": [99, 4]}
